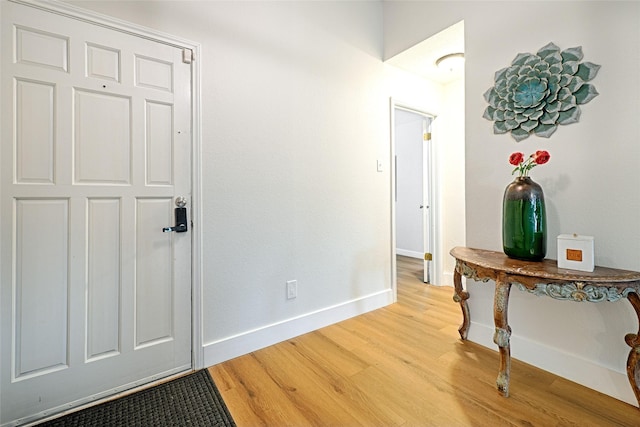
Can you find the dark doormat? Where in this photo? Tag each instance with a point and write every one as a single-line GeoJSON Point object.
{"type": "Point", "coordinates": [191, 400]}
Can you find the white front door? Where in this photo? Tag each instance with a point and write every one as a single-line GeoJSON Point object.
{"type": "Point", "coordinates": [95, 148]}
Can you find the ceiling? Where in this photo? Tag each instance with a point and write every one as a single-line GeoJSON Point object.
{"type": "Point", "coordinates": [421, 58]}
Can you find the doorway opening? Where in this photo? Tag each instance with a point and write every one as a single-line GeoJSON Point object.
{"type": "Point", "coordinates": [414, 186]}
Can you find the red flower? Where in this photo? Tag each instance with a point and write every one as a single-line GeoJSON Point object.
{"type": "Point", "coordinates": [523, 166]}
{"type": "Point", "coordinates": [516, 158]}
{"type": "Point", "coordinates": [541, 157]}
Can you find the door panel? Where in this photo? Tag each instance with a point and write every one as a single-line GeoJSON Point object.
{"type": "Point", "coordinates": [104, 273]}
{"type": "Point", "coordinates": [95, 148]}
{"type": "Point", "coordinates": [153, 287]}
{"type": "Point", "coordinates": [154, 73]}
{"type": "Point", "coordinates": [103, 62]}
{"type": "Point", "coordinates": [102, 138]}
{"type": "Point", "coordinates": [37, 47]}
{"type": "Point", "coordinates": [35, 111]}
{"type": "Point", "coordinates": [40, 287]}
{"type": "Point", "coordinates": [159, 143]}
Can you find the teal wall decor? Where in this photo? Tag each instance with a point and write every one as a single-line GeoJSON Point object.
{"type": "Point", "coordinates": [539, 92]}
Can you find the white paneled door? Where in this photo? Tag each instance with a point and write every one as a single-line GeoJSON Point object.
{"type": "Point", "coordinates": [95, 148]}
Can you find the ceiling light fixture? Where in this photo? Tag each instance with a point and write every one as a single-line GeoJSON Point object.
{"type": "Point", "coordinates": [450, 62]}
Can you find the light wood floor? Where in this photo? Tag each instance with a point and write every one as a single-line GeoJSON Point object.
{"type": "Point", "coordinates": [402, 365]}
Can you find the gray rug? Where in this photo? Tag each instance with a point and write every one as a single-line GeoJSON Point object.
{"type": "Point", "coordinates": [192, 400]}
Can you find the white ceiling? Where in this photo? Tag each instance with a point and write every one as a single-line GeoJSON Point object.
{"type": "Point", "coordinates": [421, 58]}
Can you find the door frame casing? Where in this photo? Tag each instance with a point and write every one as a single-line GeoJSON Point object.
{"type": "Point", "coordinates": [114, 24]}
{"type": "Point", "coordinates": [433, 190]}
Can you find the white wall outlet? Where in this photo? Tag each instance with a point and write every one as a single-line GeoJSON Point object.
{"type": "Point", "coordinates": [380, 166]}
{"type": "Point", "coordinates": [292, 289]}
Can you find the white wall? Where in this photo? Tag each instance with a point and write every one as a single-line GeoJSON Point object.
{"type": "Point", "coordinates": [451, 166]}
{"type": "Point", "coordinates": [590, 183]}
{"type": "Point", "coordinates": [295, 113]}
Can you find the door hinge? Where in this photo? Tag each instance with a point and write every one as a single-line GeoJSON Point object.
{"type": "Point", "coordinates": [426, 136]}
{"type": "Point", "coordinates": [428, 256]}
{"type": "Point", "coordinates": [187, 56]}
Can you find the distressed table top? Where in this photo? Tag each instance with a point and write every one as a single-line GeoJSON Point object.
{"type": "Point", "coordinates": [546, 269]}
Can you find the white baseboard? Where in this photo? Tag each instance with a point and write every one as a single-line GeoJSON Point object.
{"type": "Point", "coordinates": [582, 371]}
{"type": "Point", "coordinates": [412, 254]}
{"type": "Point", "coordinates": [246, 342]}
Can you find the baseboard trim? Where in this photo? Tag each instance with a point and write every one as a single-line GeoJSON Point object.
{"type": "Point", "coordinates": [412, 254]}
{"type": "Point", "coordinates": [246, 342]}
{"type": "Point", "coordinates": [582, 371]}
{"type": "Point", "coordinates": [447, 278]}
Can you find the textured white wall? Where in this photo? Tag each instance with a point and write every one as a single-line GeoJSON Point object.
{"type": "Point", "coordinates": [591, 184]}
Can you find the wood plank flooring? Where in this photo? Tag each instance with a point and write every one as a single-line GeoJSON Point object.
{"type": "Point", "coordinates": [402, 365]}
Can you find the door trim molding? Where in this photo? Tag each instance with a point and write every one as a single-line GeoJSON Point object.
{"type": "Point", "coordinates": [71, 11]}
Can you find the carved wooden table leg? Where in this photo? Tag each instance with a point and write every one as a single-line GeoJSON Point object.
{"type": "Point", "coordinates": [461, 296]}
{"type": "Point", "coordinates": [633, 340]}
{"type": "Point", "coordinates": [502, 334]}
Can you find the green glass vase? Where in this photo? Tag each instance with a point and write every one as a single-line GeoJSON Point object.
{"type": "Point", "coordinates": [524, 222]}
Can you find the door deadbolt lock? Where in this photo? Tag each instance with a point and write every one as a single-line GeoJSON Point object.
{"type": "Point", "coordinates": [181, 217]}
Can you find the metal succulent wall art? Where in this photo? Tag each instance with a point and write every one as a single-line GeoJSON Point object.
{"type": "Point", "coordinates": [536, 93]}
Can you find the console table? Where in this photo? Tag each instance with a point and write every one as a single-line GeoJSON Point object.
{"type": "Point", "coordinates": [542, 278]}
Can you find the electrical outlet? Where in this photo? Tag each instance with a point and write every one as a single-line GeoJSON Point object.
{"type": "Point", "coordinates": [380, 166]}
{"type": "Point", "coordinates": [292, 289]}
